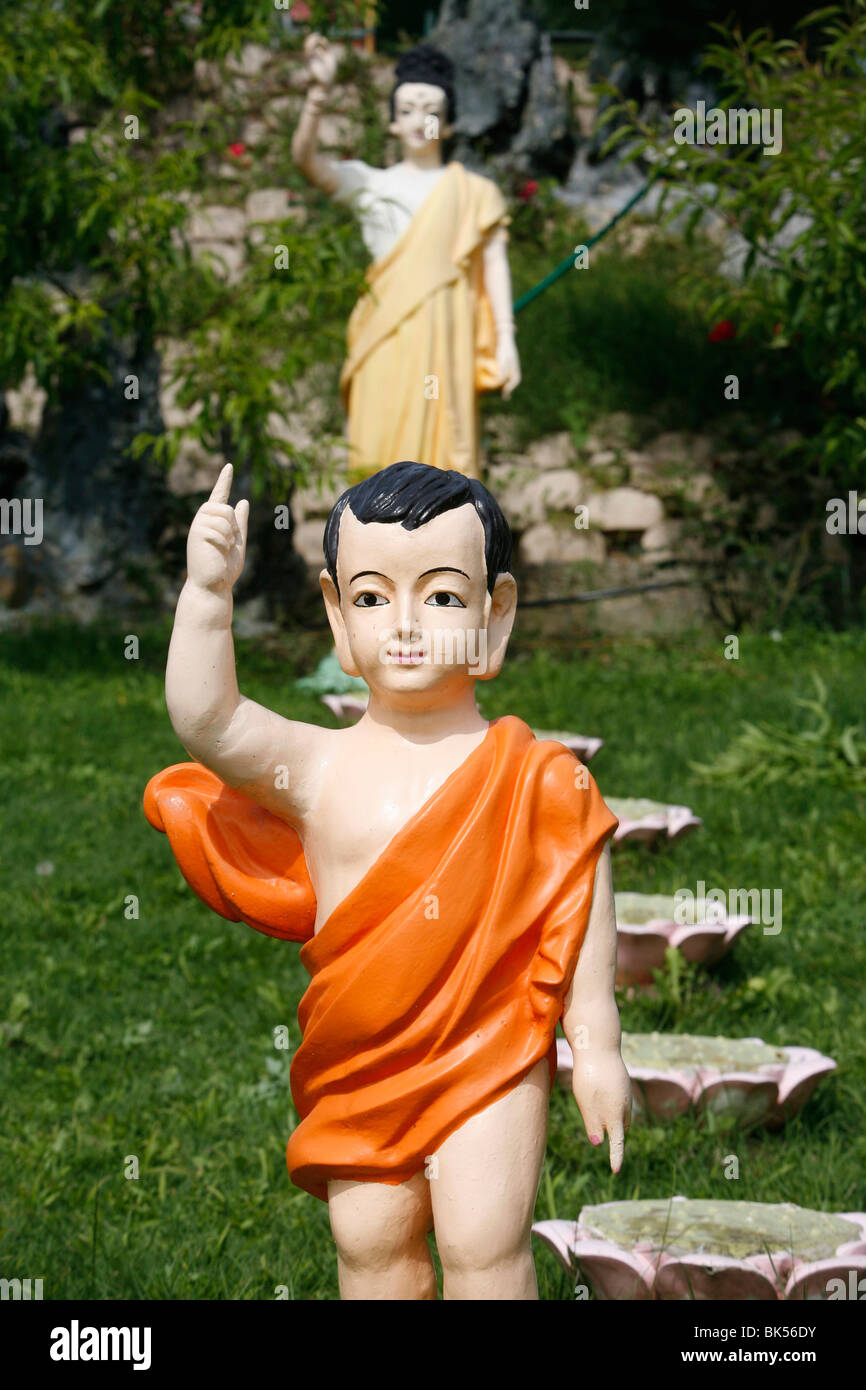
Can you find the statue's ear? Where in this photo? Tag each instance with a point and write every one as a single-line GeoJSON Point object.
{"type": "Point", "coordinates": [338, 626]}
{"type": "Point", "coordinates": [503, 608]}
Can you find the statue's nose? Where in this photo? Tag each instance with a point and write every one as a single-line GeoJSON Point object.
{"type": "Point", "coordinates": [407, 619]}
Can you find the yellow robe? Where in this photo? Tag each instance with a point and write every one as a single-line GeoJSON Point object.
{"type": "Point", "coordinates": [422, 340]}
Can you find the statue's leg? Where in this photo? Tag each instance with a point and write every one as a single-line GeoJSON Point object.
{"type": "Point", "coordinates": [483, 1188]}
{"type": "Point", "coordinates": [381, 1235]}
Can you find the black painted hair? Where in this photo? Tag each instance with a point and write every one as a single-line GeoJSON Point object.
{"type": "Point", "coordinates": [426, 63]}
{"type": "Point", "coordinates": [413, 493]}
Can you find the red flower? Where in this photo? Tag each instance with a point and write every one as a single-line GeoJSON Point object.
{"type": "Point", "coordinates": [237, 149]}
{"type": "Point", "coordinates": [528, 191]}
{"type": "Point", "coordinates": [777, 328]}
{"type": "Point", "coordinates": [300, 12]}
{"type": "Point", "coordinates": [722, 331]}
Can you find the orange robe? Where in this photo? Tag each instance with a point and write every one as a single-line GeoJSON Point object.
{"type": "Point", "coordinates": [437, 984]}
{"type": "Point", "coordinates": [425, 325]}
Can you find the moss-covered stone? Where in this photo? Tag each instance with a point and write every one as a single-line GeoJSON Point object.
{"type": "Point", "coordinates": [635, 808]}
{"type": "Point", "coordinates": [737, 1229]}
{"type": "Point", "coordinates": [686, 1052]}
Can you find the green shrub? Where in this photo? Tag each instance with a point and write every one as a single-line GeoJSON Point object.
{"type": "Point", "coordinates": [92, 239]}
{"type": "Point", "coordinates": [801, 295]}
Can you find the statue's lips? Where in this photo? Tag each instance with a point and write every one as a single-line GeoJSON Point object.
{"type": "Point", "coordinates": [406, 658]}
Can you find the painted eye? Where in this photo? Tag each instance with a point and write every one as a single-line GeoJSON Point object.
{"type": "Point", "coordinates": [368, 600]}
{"type": "Point", "coordinates": [442, 599]}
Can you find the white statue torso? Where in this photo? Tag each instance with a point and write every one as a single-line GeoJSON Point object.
{"type": "Point", "coordinates": [385, 200]}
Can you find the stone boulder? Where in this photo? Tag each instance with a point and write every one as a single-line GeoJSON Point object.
{"type": "Point", "coordinates": [251, 61]}
{"type": "Point", "coordinates": [217, 222]}
{"type": "Point", "coordinates": [268, 205]}
{"type": "Point", "coordinates": [550, 544]}
{"type": "Point", "coordinates": [506, 89]}
{"type": "Point", "coordinates": [624, 509]}
{"type": "Point", "coordinates": [103, 512]}
{"type": "Point", "coordinates": [316, 499]}
{"type": "Point", "coordinates": [526, 495]}
{"type": "Point", "coordinates": [553, 451]}
{"type": "Point", "coordinates": [679, 446]}
{"type": "Point", "coordinates": [307, 541]}
{"type": "Point", "coordinates": [674, 539]}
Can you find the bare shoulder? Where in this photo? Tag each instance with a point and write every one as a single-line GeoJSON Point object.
{"type": "Point", "coordinates": [277, 762]}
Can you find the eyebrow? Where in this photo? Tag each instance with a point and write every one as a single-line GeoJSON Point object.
{"type": "Point", "coordinates": [443, 569]}
{"type": "Point", "coordinates": [439, 569]}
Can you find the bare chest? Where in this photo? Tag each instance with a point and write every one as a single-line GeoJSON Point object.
{"type": "Point", "coordinates": [363, 803]}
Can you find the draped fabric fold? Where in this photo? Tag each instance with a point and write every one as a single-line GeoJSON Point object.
{"type": "Point", "coordinates": [437, 984]}
{"type": "Point", "coordinates": [421, 341]}
{"type": "Point", "coordinates": [241, 860]}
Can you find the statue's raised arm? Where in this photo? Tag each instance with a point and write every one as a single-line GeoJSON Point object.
{"type": "Point", "coordinates": [243, 743]}
{"type": "Point", "coordinates": [322, 67]}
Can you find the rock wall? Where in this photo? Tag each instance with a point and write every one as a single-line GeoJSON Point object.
{"type": "Point", "coordinates": [606, 515]}
{"type": "Point", "coordinates": [576, 532]}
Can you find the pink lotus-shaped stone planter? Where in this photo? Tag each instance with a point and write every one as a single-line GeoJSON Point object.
{"type": "Point", "coordinates": [745, 1077]}
{"type": "Point", "coordinates": [580, 745]}
{"type": "Point", "coordinates": [646, 925]}
{"type": "Point", "coordinates": [347, 708]}
{"type": "Point", "coordinates": [643, 820]}
{"type": "Point", "coordinates": [681, 1249]}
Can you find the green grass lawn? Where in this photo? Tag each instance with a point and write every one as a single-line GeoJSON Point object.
{"type": "Point", "coordinates": [153, 1037]}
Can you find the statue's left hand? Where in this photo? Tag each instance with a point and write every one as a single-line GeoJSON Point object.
{"type": "Point", "coordinates": [509, 365]}
{"type": "Point", "coordinates": [602, 1089]}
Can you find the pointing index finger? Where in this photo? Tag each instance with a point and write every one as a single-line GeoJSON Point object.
{"type": "Point", "coordinates": [616, 1138]}
{"type": "Point", "coordinates": [223, 485]}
